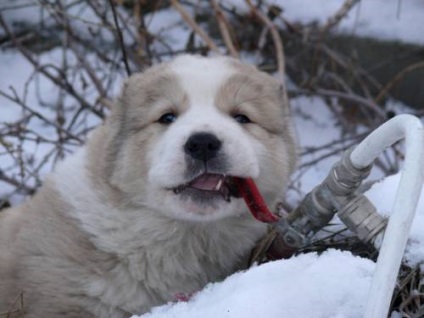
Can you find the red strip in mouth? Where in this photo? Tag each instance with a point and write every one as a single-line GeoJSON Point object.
{"type": "Point", "coordinates": [254, 200]}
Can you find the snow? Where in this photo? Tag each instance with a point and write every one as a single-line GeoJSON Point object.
{"type": "Point", "coordinates": [81, 17]}
{"type": "Point", "coordinates": [383, 194]}
{"type": "Point", "coordinates": [315, 126]}
{"type": "Point", "coordinates": [333, 284]}
{"type": "Point", "coordinates": [396, 20]}
{"type": "Point", "coordinates": [38, 93]}
{"type": "Point", "coordinates": [21, 12]}
{"type": "Point", "coordinates": [305, 286]}
{"type": "Point", "coordinates": [168, 27]}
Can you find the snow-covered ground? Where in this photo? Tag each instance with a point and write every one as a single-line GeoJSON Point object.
{"type": "Point", "coordinates": [333, 284]}
{"type": "Point", "coordinates": [303, 287]}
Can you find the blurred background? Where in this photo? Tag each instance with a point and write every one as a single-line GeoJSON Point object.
{"type": "Point", "coordinates": [348, 66]}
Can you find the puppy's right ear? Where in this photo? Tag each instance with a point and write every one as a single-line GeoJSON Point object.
{"type": "Point", "coordinates": [113, 105]}
{"type": "Point", "coordinates": [130, 92]}
{"type": "Point", "coordinates": [120, 101]}
{"type": "Point", "coordinates": [122, 113]}
{"type": "Point", "coordinates": [119, 106]}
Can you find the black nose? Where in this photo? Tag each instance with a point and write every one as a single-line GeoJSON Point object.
{"type": "Point", "coordinates": [202, 146]}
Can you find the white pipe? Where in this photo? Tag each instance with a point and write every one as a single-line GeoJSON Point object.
{"type": "Point", "coordinates": [403, 211]}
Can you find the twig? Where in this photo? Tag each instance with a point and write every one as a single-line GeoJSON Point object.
{"type": "Point", "coordinates": [396, 79]}
{"type": "Point", "coordinates": [107, 102]}
{"type": "Point", "coordinates": [223, 27]}
{"type": "Point", "coordinates": [120, 37]}
{"type": "Point", "coordinates": [62, 17]}
{"type": "Point", "coordinates": [61, 83]}
{"type": "Point", "coordinates": [90, 72]}
{"type": "Point", "coordinates": [343, 62]}
{"type": "Point", "coordinates": [196, 28]}
{"type": "Point", "coordinates": [39, 115]}
{"type": "Point", "coordinates": [20, 186]}
{"type": "Point", "coordinates": [144, 38]}
{"type": "Point", "coordinates": [331, 153]}
{"type": "Point", "coordinates": [275, 37]}
{"type": "Point", "coordinates": [18, 301]}
{"type": "Point", "coordinates": [338, 16]}
{"type": "Point", "coordinates": [346, 142]}
{"type": "Point", "coordinates": [354, 98]}
{"type": "Point", "coordinates": [279, 49]}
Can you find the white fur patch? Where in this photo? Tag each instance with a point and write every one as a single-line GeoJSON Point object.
{"type": "Point", "coordinates": [158, 253]}
{"type": "Point", "coordinates": [201, 79]}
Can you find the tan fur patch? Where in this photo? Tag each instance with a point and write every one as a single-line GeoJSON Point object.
{"type": "Point", "coordinates": [100, 240]}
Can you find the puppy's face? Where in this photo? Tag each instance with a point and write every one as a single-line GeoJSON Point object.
{"type": "Point", "coordinates": [186, 127]}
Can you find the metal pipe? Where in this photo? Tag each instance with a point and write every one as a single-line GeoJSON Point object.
{"type": "Point", "coordinates": [322, 203]}
{"type": "Point", "coordinates": [403, 211]}
{"type": "Point", "coordinates": [338, 194]}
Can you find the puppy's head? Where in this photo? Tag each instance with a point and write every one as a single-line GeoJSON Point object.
{"type": "Point", "coordinates": [184, 128]}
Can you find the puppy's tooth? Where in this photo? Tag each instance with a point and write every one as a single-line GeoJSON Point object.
{"type": "Point", "coordinates": [218, 185]}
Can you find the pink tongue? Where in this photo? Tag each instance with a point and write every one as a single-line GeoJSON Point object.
{"type": "Point", "coordinates": [206, 182]}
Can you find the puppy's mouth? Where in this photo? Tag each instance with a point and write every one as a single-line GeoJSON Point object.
{"type": "Point", "coordinates": [210, 185]}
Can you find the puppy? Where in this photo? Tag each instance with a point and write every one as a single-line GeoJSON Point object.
{"type": "Point", "coordinates": [147, 210]}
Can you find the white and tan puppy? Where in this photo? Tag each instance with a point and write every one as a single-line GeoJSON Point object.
{"type": "Point", "coordinates": [146, 210]}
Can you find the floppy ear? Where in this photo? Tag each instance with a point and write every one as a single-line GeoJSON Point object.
{"type": "Point", "coordinates": [121, 105]}
{"type": "Point", "coordinates": [115, 103]}
{"type": "Point", "coordinates": [119, 102]}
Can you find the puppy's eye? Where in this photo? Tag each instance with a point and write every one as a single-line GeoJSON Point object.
{"type": "Point", "coordinates": [167, 118]}
{"type": "Point", "coordinates": [242, 119]}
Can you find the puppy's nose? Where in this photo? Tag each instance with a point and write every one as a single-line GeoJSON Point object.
{"type": "Point", "coordinates": [202, 146]}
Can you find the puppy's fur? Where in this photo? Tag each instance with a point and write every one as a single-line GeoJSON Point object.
{"type": "Point", "coordinates": [109, 235]}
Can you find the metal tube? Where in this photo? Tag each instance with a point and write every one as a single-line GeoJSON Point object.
{"type": "Point", "coordinates": [337, 193]}
{"type": "Point", "coordinates": [409, 189]}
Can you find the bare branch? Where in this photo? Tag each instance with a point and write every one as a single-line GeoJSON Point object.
{"type": "Point", "coordinates": [396, 79]}
{"type": "Point", "coordinates": [196, 28]}
{"type": "Point", "coordinates": [275, 36]}
{"type": "Point", "coordinates": [224, 28]}
{"type": "Point", "coordinates": [39, 116]}
{"type": "Point", "coordinates": [61, 82]}
{"type": "Point", "coordinates": [339, 15]}
{"type": "Point", "coordinates": [120, 37]}
{"type": "Point", "coordinates": [351, 97]}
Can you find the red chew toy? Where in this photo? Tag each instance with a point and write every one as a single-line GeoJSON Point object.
{"type": "Point", "coordinates": [254, 201]}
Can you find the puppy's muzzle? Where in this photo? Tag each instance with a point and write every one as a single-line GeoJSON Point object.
{"type": "Point", "coordinates": [202, 146]}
